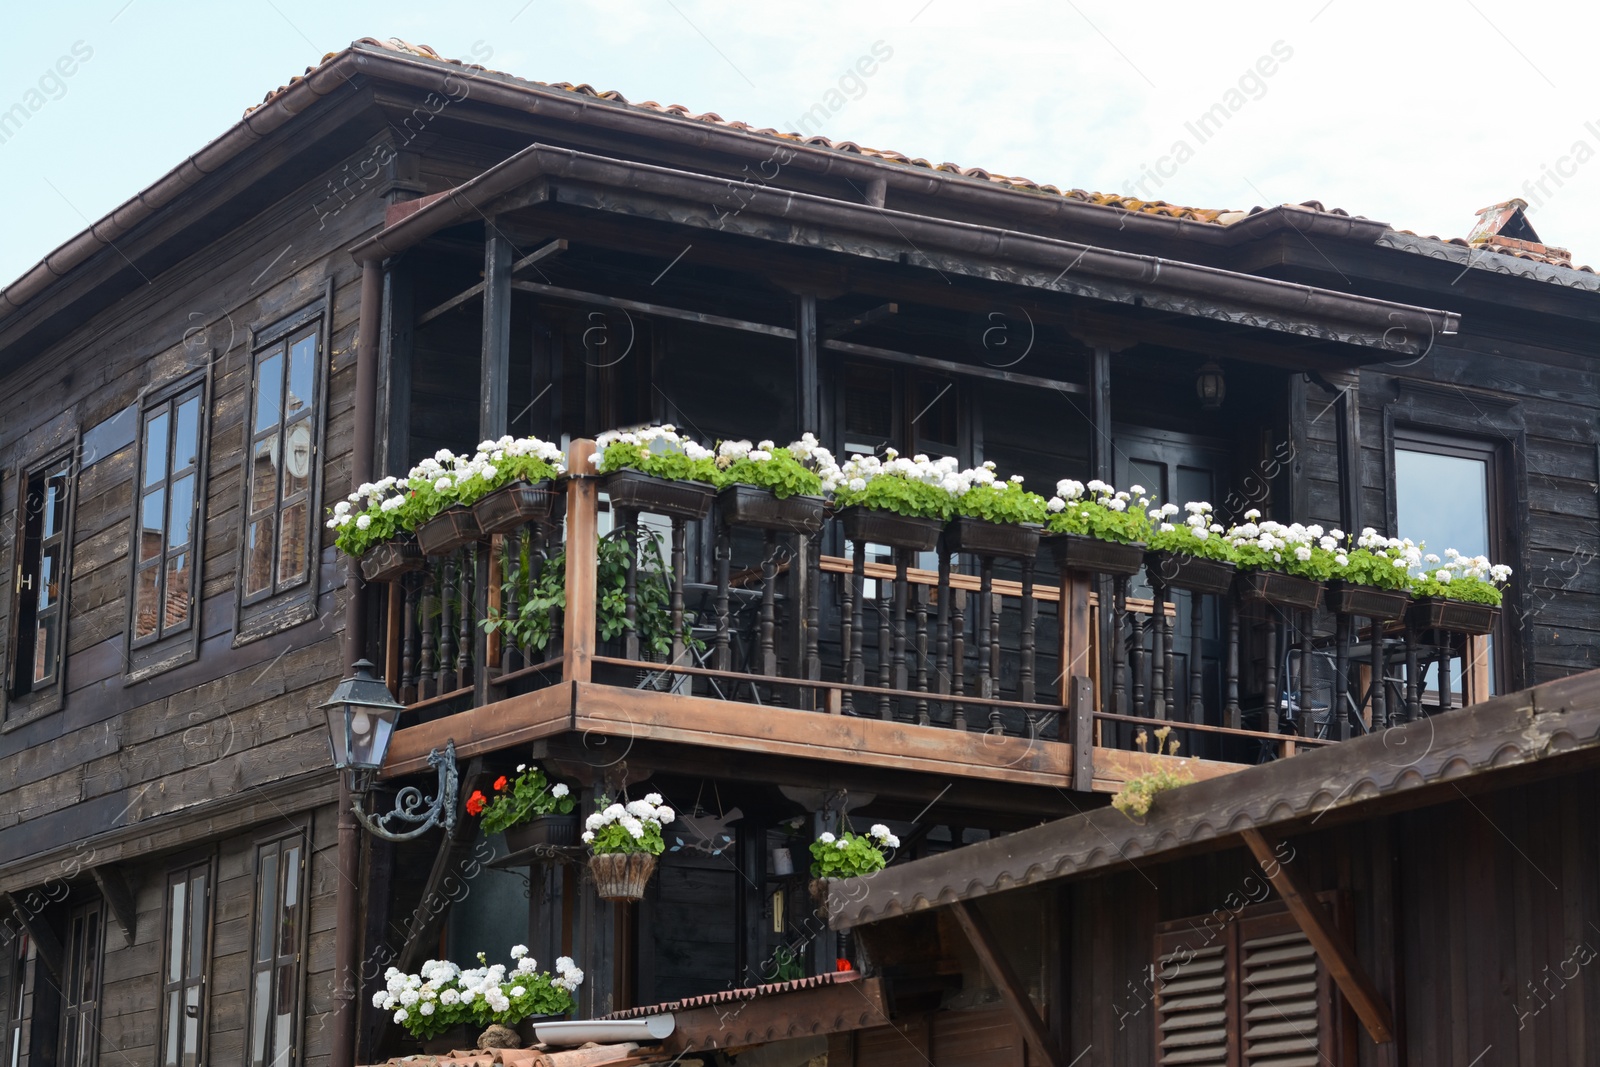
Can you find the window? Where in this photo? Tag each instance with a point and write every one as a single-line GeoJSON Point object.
{"type": "Point", "coordinates": [275, 956]}
{"type": "Point", "coordinates": [80, 987]}
{"type": "Point", "coordinates": [280, 458]}
{"type": "Point", "coordinates": [41, 587]}
{"type": "Point", "coordinates": [167, 514]}
{"type": "Point", "coordinates": [15, 1030]}
{"type": "Point", "coordinates": [1246, 990]}
{"type": "Point", "coordinates": [184, 966]}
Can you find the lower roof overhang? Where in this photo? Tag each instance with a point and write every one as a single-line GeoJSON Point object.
{"type": "Point", "coordinates": [1539, 732]}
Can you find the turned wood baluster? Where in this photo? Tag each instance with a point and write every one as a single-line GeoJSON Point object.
{"type": "Point", "coordinates": [1413, 678]}
{"type": "Point", "coordinates": [1158, 652]}
{"type": "Point", "coordinates": [1307, 714]}
{"type": "Point", "coordinates": [1269, 715]}
{"type": "Point", "coordinates": [981, 621]}
{"type": "Point", "coordinates": [1025, 640]}
{"type": "Point", "coordinates": [679, 565]}
{"type": "Point", "coordinates": [1380, 686]}
{"type": "Point", "coordinates": [902, 596]}
{"type": "Point", "coordinates": [941, 659]}
{"type": "Point", "coordinates": [857, 669]}
{"type": "Point", "coordinates": [958, 655]}
{"type": "Point", "coordinates": [512, 579]}
{"type": "Point", "coordinates": [1341, 668]}
{"type": "Point", "coordinates": [1169, 641]}
{"type": "Point", "coordinates": [994, 652]}
{"type": "Point", "coordinates": [769, 582]}
{"type": "Point", "coordinates": [814, 614]}
{"type": "Point", "coordinates": [465, 642]}
{"type": "Point", "coordinates": [920, 650]}
{"type": "Point", "coordinates": [630, 584]}
{"type": "Point", "coordinates": [885, 664]}
{"type": "Point", "coordinates": [447, 630]}
{"type": "Point", "coordinates": [428, 663]}
{"type": "Point", "coordinates": [408, 641]}
{"type": "Point", "coordinates": [722, 656]}
{"type": "Point", "coordinates": [1444, 643]}
{"type": "Point", "coordinates": [1197, 675]}
{"type": "Point", "coordinates": [1233, 717]}
{"type": "Point", "coordinates": [847, 595]}
{"type": "Point", "coordinates": [1119, 643]}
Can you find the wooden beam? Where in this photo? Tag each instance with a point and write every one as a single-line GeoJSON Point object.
{"type": "Point", "coordinates": [659, 310]}
{"type": "Point", "coordinates": [119, 897]}
{"type": "Point", "coordinates": [856, 322]}
{"type": "Point", "coordinates": [1332, 947]}
{"type": "Point", "coordinates": [947, 366]}
{"type": "Point", "coordinates": [1005, 979]}
{"type": "Point", "coordinates": [44, 939]}
{"type": "Point", "coordinates": [542, 252]}
{"type": "Point", "coordinates": [583, 540]}
{"type": "Point", "coordinates": [455, 301]}
{"type": "Point", "coordinates": [494, 369]}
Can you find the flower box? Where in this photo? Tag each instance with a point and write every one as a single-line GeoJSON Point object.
{"type": "Point", "coordinates": [1367, 601]}
{"type": "Point", "coordinates": [448, 531]}
{"type": "Point", "coordinates": [751, 505]}
{"type": "Point", "coordinates": [1458, 616]}
{"type": "Point", "coordinates": [621, 875]}
{"type": "Point", "coordinates": [518, 504]}
{"type": "Point", "coordinates": [389, 560]}
{"type": "Point", "coordinates": [633, 491]}
{"type": "Point", "coordinates": [887, 528]}
{"type": "Point", "coordinates": [1080, 552]}
{"type": "Point", "coordinates": [549, 831]}
{"type": "Point", "coordinates": [1194, 573]}
{"type": "Point", "coordinates": [1278, 589]}
{"type": "Point", "coordinates": [983, 538]}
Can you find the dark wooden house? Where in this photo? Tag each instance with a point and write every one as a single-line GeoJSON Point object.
{"type": "Point", "coordinates": [397, 253]}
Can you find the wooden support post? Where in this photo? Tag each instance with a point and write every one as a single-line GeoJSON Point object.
{"type": "Point", "coordinates": [1075, 623]}
{"type": "Point", "coordinates": [119, 898]}
{"type": "Point", "coordinates": [1080, 731]}
{"type": "Point", "coordinates": [583, 544]}
{"type": "Point", "coordinates": [808, 395]}
{"type": "Point", "coordinates": [44, 939]}
{"type": "Point", "coordinates": [1005, 979]}
{"type": "Point", "coordinates": [1333, 949]}
{"type": "Point", "coordinates": [495, 370]}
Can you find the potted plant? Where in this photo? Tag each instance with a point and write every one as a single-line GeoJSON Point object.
{"type": "Point", "coordinates": [994, 517]}
{"type": "Point", "coordinates": [903, 503]}
{"type": "Point", "coordinates": [774, 488]}
{"type": "Point", "coordinates": [513, 486]}
{"type": "Point", "coordinates": [1281, 565]}
{"type": "Point", "coordinates": [1191, 555]}
{"type": "Point", "coordinates": [444, 1001]}
{"type": "Point", "coordinates": [1373, 578]}
{"type": "Point", "coordinates": [529, 809]}
{"type": "Point", "coordinates": [1096, 528]}
{"type": "Point", "coordinates": [849, 855]}
{"type": "Point", "coordinates": [624, 841]}
{"type": "Point", "coordinates": [369, 528]}
{"type": "Point", "coordinates": [656, 469]}
{"type": "Point", "coordinates": [1463, 595]}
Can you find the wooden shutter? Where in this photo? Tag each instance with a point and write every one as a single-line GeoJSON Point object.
{"type": "Point", "coordinates": [1194, 1010]}
{"type": "Point", "coordinates": [1283, 995]}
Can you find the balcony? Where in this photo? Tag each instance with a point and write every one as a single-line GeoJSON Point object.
{"type": "Point", "coordinates": [790, 640]}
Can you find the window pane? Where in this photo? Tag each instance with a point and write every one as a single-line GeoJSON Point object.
{"type": "Point", "coordinates": [264, 474]}
{"type": "Point", "coordinates": [191, 1025]}
{"type": "Point", "coordinates": [174, 1026]}
{"type": "Point", "coordinates": [301, 375]}
{"type": "Point", "coordinates": [258, 566]}
{"type": "Point", "coordinates": [91, 955]}
{"type": "Point", "coordinates": [152, 513]}
{"type": "Point", "coordinates": [49, 577]}
{"type": "Point", "coordinates": [197, 925]}
{"type": "Point", "coordinates": [177, 898]}
{"type": "Point", "coordinates": [292, 550]}
{"type": "Point", "coordinates": [176, 612]}
{"type": "Point", "coordinates": [1442, 501]}
{"type": "Point", "coordinates": [266, 903]}
{"type": "Point", "coordinates": [55, 504]}
{"type": "Point", "coordinates": [186, 437]}
{"type": "Point", "coordinates": [283, 1015]}
{"type": "Point", "coordinates": [44, 647]}
{"type": "Point", "coordinates": [269, 392]}
{"type": "Point", "coordinates": [146, 599]}
{"type": "Point", "coordinates": [297, 459]}
{"type": "Point", "coordinates": [155, 448]}
{"type": "Point", "coordinates": [181, 515]}
{"type": "Point", "coordinates": [260, 1016]}
{"type": "Point", "coordinates": [289, 925]}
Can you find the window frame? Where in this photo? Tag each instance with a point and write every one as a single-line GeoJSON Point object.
{"type": "Point", "coordinates": [18, 708]}
{"type": "Point", "coordinates": [184, 873]}
{"type": "Point", "coordinates": [73, 1011]}
{"type": "Point", "coordinates": [284, 604]}
{"type": "Point", "coordinates": [277, 844]}
{"type": "Point", "coordinates": [168, 648]}
{"type": "Point", "coordinates": [18, 1000]}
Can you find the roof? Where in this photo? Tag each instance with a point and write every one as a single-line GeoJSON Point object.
{"type": "Point", "coordinates": [1525, 732]}
{"type": "Point", "coordinates": [729, 996]}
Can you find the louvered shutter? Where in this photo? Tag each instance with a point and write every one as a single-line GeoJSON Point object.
{"type": "Point", "coordinates": [1193, 1008]}
{"type": "Point", "coordinates": [1282, 991]}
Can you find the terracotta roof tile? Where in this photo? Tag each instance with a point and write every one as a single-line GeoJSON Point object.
{"type": "Point", "coordinates": [729, 995]}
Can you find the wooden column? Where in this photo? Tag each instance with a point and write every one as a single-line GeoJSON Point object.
{"type": "Point", "coordinates": [808, 392]}
{"type": "Point", "coordinates": [583, 544]}
{"type": "Point", "coordinates": [1348, 407]}
{"type": "Point", "coordinates": [495, 369]}
{"type": "Point", "coordinates": [394, 372]}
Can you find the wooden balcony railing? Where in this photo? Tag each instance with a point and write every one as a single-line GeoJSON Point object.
{"type": "Point", "coordinates": [970, 645]}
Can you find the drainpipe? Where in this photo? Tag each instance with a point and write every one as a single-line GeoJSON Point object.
{"type": "Point", "coordinates": [347, 901]}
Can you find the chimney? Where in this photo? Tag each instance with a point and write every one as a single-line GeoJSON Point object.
{"type": "Point", "coordinates": [1505, 228]}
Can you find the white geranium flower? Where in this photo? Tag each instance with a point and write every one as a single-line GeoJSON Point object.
{"type": "Point", "coordinates": [826, 838]}
{"type": "Point", "coordinates": [560, 789]}
{"type": "Point", "coordinates": [400, 1015]}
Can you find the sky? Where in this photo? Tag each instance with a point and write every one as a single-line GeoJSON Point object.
{"type": "Point", "coordinates": [1416, 113]}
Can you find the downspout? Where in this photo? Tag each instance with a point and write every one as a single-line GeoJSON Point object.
{"type": "Point", "coordinates": [347, 901]}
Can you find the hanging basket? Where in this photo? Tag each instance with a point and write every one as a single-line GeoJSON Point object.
{"type": "Point", "coordinates": [1079, 552]}
{"type": "Point", "coordinates": [389, 560]}
{"type": "Point", "coordinates": [1367, 601]}
{"type": "Point", "coordinates": [984, 538]}
{"type": "Point", "coordinates": [1457, 616]}
{"type": "Point", "coordinates": [633, 491]}
{"type": "Point", "coordinates": [1197, 575]}
{"type": "Point", "coordinates": [819, 895]}
{"type": "Point", "coordinates": [621, 876]}
{"type": "Point", "coordinates": [1279, 590]}
{"type": "Point", "coordinates": [751, 505]}
{"type": "Point", "coordinates": [518, 504]}
{"type": "Point", "coordinates": [448, 531]}
{"type": "Point", "coordinates": [886, 528]}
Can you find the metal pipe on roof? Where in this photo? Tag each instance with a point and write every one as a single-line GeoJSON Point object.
{"type": "Point", "coordinates": [647, 1030]}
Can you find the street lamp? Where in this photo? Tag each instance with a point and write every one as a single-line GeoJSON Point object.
{"type": "Point", "coordinates": [361, 719]}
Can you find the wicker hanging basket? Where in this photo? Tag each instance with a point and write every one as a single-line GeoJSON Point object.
{"type": "Point", "coordinates": [621, 875]}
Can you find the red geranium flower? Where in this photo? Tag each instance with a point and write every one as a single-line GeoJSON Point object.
{"type": "Point", "coordinates": [475, 803]}
{"type": "Point", "coordinates": [499, 783]}
{"type": "Point", "coordinates": [842, 964]}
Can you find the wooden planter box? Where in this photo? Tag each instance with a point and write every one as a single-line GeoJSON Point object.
{"type": "Point", "coordinates": [983, 538]}
{"type": "Point", "coordinates": [389, 560]}
{"type": "Point", "coordinates": [621, 875]}
{"type": "Point", "coordinates": [751, 505]}
{"type": "Point", "coordinates": [1348, 598]}
{"type": "Point", "coordinates": [518, 504]}
{"type": "Point", "coordinates": [887, 528]}
{"type": "Point", "coordinates": [1458, 616]}
{"type": "Point", "coordinates": [1279, 590]}
{"type": "Point", "coordinates": [552, 831]}
{"type": "Point", "coordinates": [1079, 552]}
{"type": "Point", "coordinates": [1193, 573]}
{"type": "Point", "coordinates": [448, 531]}
{"type": "Point", "coordinates": [633, 491]}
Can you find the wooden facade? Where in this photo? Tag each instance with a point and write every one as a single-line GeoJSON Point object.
{"type": "Point", "coordinates": [398, 254]}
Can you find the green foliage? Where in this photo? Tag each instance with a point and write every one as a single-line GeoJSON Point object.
{"type": "Point", "coordinates": [1108, 515]}
{"type": "Point", "coordinates": [1463, 587]}
{"type": "Point", "coordinates": [1138, 793]}
{"type": "Point", "coordinates": [658, 462]}
{"type": "Point", "coordinates": [517, 800]}
{"type": "Point", "coordinates": [851, 855]}
{"type": "Point", "coordinates": [782, 472]}
{"type": "Point", "coordinates": [1377, 569]}
{"type": "Point", "coordinates": [442, 995]}
{"type": "Point", "coordinates": [899, 494]}
{"type": "Point", "coordinates": [631, 827]}
{"type": "Point", "coordinates": [1005, 502]}
{"type": "Point", "coordinates": [1190, 541]}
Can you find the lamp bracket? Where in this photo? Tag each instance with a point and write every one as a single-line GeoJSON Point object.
{"type": "Point", "coordinates": [411, 807]}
